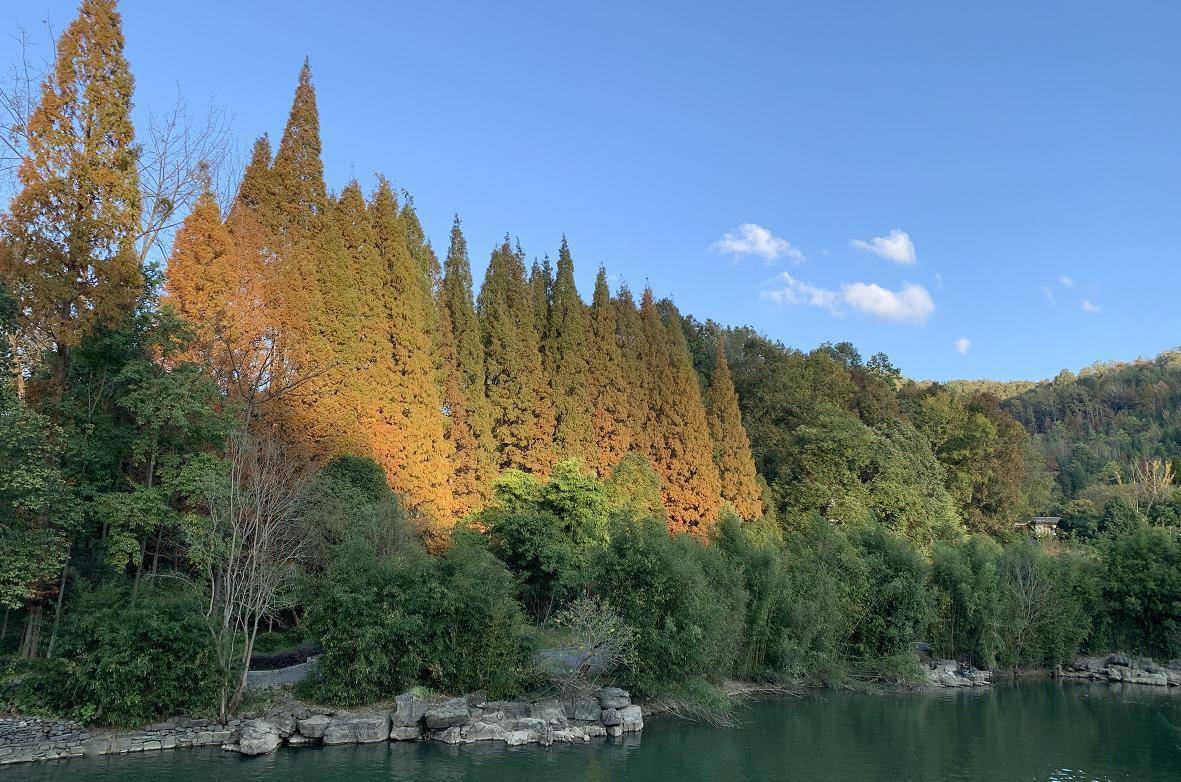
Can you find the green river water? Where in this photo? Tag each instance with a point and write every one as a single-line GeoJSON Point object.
{"type": "Point", "coordinates": [1038, 730]}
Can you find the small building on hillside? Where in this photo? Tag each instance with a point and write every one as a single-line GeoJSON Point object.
{"type": "Point", "coordinates": [1040, 526]}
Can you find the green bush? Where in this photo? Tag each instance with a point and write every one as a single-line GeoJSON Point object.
{"type": "Point", "coordinates": [894, 612]}
{"type": "Point", "coordinates": [965, 594]}
{"type": "Point", "coordinates": [681, 597]}
{"type": "Point", "coordinates": [124, 658]}
{"type": "Point", "coordinates": [349, 500]}
{"type": "Point", "coordinates": [386, 623]}
{"type": "Point", "coordinates": [1141, 592]}
{"type": "Point", "coordinates": [1043, 618]}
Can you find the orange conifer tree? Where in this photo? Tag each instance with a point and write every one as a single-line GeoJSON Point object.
{"type": "Point", "coordinates": [732, 454]}
{"type": "Point", "coordinates": [680, 446]}
{"type": "Point", "coordinates": [607, 382]}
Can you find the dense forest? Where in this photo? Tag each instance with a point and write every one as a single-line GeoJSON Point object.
{"type": "Point", "coordinates": [275, 420]}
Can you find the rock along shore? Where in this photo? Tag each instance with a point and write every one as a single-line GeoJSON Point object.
{"type": "Point", "coordinates": [607, 712]}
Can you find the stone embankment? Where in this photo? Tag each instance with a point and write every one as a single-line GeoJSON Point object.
{"type": "Point", "coordinates": [606, 712]}
{"type": "Point", "coordinates": [1118, 668]}
{"type": "Point", "coordinates": [949, 673]}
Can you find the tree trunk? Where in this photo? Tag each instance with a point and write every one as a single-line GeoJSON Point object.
{"type": "Point", "coordinates": [4, 630]}
{"type": "Point", "coordinates": [156, 552]}
{"type": "Point", "coordinates": [57, 610]}
{"type": "Point", "coordinates": [32, 635]}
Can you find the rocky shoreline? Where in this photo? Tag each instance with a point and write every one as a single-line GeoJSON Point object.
{"type": "Point", "coordinates": [607, 712]}
{"type": "Point", "coordinates": [1118, 668]}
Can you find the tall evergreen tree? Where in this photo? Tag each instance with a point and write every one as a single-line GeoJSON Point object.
{"type": "Point", "coordinates": [297, 176]}
{"type": "Point", "coordinates": [732, 454]}
{"type": "Point", "coordinates": [680, 447]}
{"type": "Point", "coordinates": [414, 451]}
{"type": "Point", "coordinates": [475, 457]}
{"type": "Point", "coordinates": [636, 379]}
{"type": "Point", "coordinates": [202, 283]}
{"type": "Point", "coordinates": [468, 484]}
{"type": "Point", "coordinates": [564, 352]}
{"type": "Point", "coordinates": [607, 381]}
{"type": "Point", "coordinates": [522, 420]}
{"type": "Point", "coordinates": [71, 263]}
{"type": "Point", "coordinates": [541, 286]}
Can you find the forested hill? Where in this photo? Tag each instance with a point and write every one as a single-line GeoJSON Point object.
{"type": "Point", "coordinates": [1102, 429]}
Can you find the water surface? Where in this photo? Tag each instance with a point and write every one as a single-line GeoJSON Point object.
{"type": "Point", "coordinates": [1038, 730]}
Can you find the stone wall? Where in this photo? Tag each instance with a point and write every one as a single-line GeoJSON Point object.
{"type": "Point", "coordinates": [25, 739]}
{"type": "Point", "coordinates": [606, 712]}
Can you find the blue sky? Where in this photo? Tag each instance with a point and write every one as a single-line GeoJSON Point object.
{"type": "Point", "coordinates": [983, 191]}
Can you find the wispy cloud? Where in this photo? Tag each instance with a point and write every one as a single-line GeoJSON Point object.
{"type": "Point", "coordinates": [963, 345]}
{"type": "Point", "coordinates": [895, 246]}
{"type": "Point", "coordinates": [910, 304]}
{"type": "Point", "coordinates": [795, 291]}
{"type": "Point", "coordinates": [1089, 307]}
{"type": "Point", "coordinates": [938, 280]}
{"type": "Point", "coordinates": [1066, 280]}
{"type": "Point", "coordinates": [1049, 294]}
{"type": "Point", "coordinates": [753, 239]}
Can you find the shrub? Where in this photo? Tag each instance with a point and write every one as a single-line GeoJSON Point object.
{"type": "Point", "coordinates": [386, 623]}
{"type": "Point", "coordinates": [1141, 589]}
{"type": "Point", "coordinates": [965, 594]}
{"type": "Point", "coordinates": [125, 658]}
{"type": "Point", "coordinates": [1042, 617]}
{"type": "Point", "coordinates": [894, 613]}
{"type": "Point", "coordinates": [685, 604]}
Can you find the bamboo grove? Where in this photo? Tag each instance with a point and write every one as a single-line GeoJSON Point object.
{"type": "Point", "coordinates": [331, 320]}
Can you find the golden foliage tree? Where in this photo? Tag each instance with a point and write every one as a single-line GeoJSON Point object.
{"type": "Point", "coordinates": [732, 454]}
{"type": "Point", "coordinates": [202, 282]}
{"type": "Point", "coordinates": [522, 420]}
{"type": "Point", "coordinates": [469, 422]}
{"type": "Point", "coordinates": [606, 382]}
{"type": "Point", "coordinates": [564, 353]}
{"type": "Point", "coordinates": [680, 446]}
{"type": "Point", "coordinates": [71, 264]}
{"type": "Point", "coordinates": [412, 449]}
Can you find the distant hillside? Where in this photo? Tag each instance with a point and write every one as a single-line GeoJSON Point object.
{"type": "Point", "coordinates": [1095, 426]}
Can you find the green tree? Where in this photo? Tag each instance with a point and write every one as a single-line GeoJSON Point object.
{"type": "Point", "coordinates": [564, 353]}
{"type": "Point", "coordinates": [522, 418]}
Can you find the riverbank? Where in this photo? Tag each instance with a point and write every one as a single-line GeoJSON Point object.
{"type": "Point", "coordinates": [606, 713]}
{"type": "Point", "coordinates": [416, 716]}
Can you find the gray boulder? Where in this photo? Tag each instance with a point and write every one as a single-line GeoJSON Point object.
{"type": "Point", "coordinates": [409, 710]}
{"type": "Point", "coordinates": [611, 717]}
{"type": "Point", "coordinates": [257, 737]}
{"type": "Point", "coordinates": [357, 729]}
{"type": "Point", "coordinates": [633, 719]}
{"type": "Point", "coordinates": [583, 709]}
{"type": "Point", "coordinates": [614, 698]}
{"type": "Point", "coordinates": [313, 727]}
{"type": "Point", "coordinates": [550, 711]}
{"type": "Point", "coordinates": [448, 715]}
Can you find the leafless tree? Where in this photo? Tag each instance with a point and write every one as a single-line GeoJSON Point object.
{"type": "Point", "coordinates": [599, 641]}
{"type": "Point", "coordinates": [181, 155]}
{"type": "Point", "coordinates": [253, 546]}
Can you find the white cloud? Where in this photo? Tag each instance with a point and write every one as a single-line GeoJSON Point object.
{"type": "Point", "coordinates": [1089, 307]}
{"type": "Point", "coordinates": [752, 239]}
{"type": "Point", "coordinates": [1066, 280]}
{"type": "Point", "coordinates": [963, 345]}
{"type": "Point", "coordinates": [1049, 294]}
{"type": "Point", "coordinates": [895, 246]}
{"type": "Point", "coordinates": [799, 292]}
{"type": "Point", "coordinates": [911, 304]}
{"type": "Point", "coordinates": [938, 280]}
